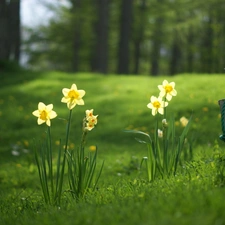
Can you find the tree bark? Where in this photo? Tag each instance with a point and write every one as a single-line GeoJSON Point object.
{"type": "Point", "coordinates": [100, 54]}
{"type": "Point", "coordinates": [124, 37]}
{"type": "Point", "coordinates": [10, 30]}
{"type": "Point", "coordinates": [14, 32]}
{"type": "Point", "coordinates": [140, 36]}
{"type": "Point", "coordinates": [175, 56]}
{"type": "Point", "coordinates": [4, 31]}
{"type": "Point", "coordinates": [76, 6]}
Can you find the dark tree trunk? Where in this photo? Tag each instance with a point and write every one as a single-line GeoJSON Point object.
{"type": "Point", "coordinates": [76, 6]}
{"type": "Point", "coordinates": [207, 48]}
{"type": "Point", "coordinates": [14, 17]}
{"type": "Point", "coordinates": [175, 55]}
{"type": "Point", "coordinates": [156, 46]}
{"type": "Point", "coordinates": [124, 37]}
{"type": "Point", "coordinates": [155, 54]}
{"type": "Point", "coordinates": [4, 31]}
{"type": "Point", "coordinates": [140, 36]}
{"type": "Point", "coordinates": [190, 52]}
{"type": "Point", "coordinates": [100, 55]}
{"type": "Point", "coordinates": [10, 30]}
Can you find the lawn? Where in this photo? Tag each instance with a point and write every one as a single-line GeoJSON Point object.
{"type": "Point", "coordinates": [123, 196]}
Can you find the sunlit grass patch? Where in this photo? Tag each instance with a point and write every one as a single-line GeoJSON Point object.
{"type": "Point", "coordinates": [122, 195]}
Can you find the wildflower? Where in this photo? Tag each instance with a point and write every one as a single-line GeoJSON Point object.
{"type": "Point", "coordinates": [184, 121]}
{"type": "Point", "coordinates": [44, 113]}
{"type": "Point", "coordinates": [164, 123]}
{"type": "Point", "coordinates": [73, 96]}
{"type": "Point", "coordinates": [89, 126]}
{"type": "Point", "coordinates": [90, 120]}
{"type": "Point", "coordinates": [92, 148]}
{"type": "Point", "coordinates": [160, 133]}
{"type": "Point", "coordinates": [89, 113]}
{"type": "Point", "coordinates": [157, 105]}
{"type": "Point", "coordinates": [167, 90]}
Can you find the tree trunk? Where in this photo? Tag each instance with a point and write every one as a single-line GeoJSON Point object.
{"type": "Point", "coordinates": [10, 30]}
{"type": "Point", "coordinates": [124, 37]}
{"type": "Point", "coordinates": [100, 55]}
{"type": "Point", "coordinates": [175, 56]}
{"type": "Point", "coordinates": [207, 48]}
{"type": "Point", "coordinates": [14, 18]}
{"type": "Point", "coordinates": [4, 31]}
{"type": "Point", "coordinates": [190, 52]}
{"type": "Point", "coordinates": [76, 6]}
{"type": "Point", "coordinates": [156, 44]}
{"type": "Point", "coordinates": [140, 36]}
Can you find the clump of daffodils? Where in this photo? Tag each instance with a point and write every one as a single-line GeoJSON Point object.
{"type": "Point", "coordinates": [164, 148]}
{"type": "Point", "coordinates": [81, 168]}
{"type": "Point", "coordinates": [90, 120]}
{"type": "Point", "coordinates": [158, 104]}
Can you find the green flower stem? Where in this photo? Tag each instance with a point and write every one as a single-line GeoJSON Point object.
{"type": "Point", "coordinates": [49, 160]}
{"type": "Point", "coordinates": [64, 159]}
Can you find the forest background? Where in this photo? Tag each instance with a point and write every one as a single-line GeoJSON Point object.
{"type": "Point", "coordinates": [151, 37]}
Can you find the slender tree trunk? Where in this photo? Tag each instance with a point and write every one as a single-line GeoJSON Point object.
{"type": "Point", "coordinates": [10, 30]}
{"type": "Point", "coordinates": [140, 36]}
{"type": "Point", "coordinates": [4, 31]}
{"type": "Point", "coordinates": [14, 17]}
{"type": "Point", "coordinates": [207, 48]}
{"type": "Point", "coordinates": [175, 55]}
{"type": "Point", "coordinates": [190, 52]}
{"type": "Point", "coordinates": [76, 7]}
{"type": "Point", "coordinates": [157, 42]}
{"type": "Point", "coordinates": [100, 55]}
{"type": "Point", "coordinates": [124, 39]}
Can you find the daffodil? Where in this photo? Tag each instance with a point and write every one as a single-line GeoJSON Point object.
{"type": "Point", "coordinates": [183, 121]}
{"type": "Point", "coordinates": [160, 133]}
{"type": "Point", "coordinates": [73, 96]}
{"type": "Point", "coordinates": [167, 90]}
{"type": "Point", "coordinates": [90, 120]}
{"type": "Point", "coordinates": [157, 105]}
{"type": "Point", "coordinates": [89, 126]}
{"type": "Point", "coordinates": [89, 113]}
{"type": "Point", "coordinates": [44, 113]}
{"type": "Point", "coordinates": [164, 123]}
{"type": "Point", "coordinates": [93, 119]}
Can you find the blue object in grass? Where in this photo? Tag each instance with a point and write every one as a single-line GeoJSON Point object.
{"type": "Point", "coordinates": [222, 108]}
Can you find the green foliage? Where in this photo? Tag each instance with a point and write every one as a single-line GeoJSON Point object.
{"type": "Point", "coordinates": [81, 168]}
{"type": "Point", "coordinates": [193, 196]}
{"type": "Point", "coordinates": [179, 36]}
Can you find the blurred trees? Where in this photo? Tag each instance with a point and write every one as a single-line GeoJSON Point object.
{"type": "Point", "coordinates": [131, 36]}
{"type": "Point", "coordinates": [9, 30]}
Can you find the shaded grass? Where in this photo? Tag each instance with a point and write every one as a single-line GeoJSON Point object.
{"type": "Point", "coordinates": [193, 197]}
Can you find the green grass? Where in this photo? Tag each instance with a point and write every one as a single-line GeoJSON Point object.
{"type": "Point", "coordinates": [194, 196]}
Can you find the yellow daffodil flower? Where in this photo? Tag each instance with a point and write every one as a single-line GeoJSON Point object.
{"type": "Point", "coordinates": [160, 133]}
{"type": "Point", "coordinates": [91, 120]}
{"type": "Point", "coordinates": [44, 113]}
{"type": "Point", "coordinates": [167, 90]}
{"type": "Point", "coordinates": [73, 96]}
{"type": "Point", "coordinates": [89, 113]}
{"type": "Point", "coordinates": [164, 123]}
{"type": "Point", "coordinates": [89, 126]}
{"type": "Point", "coordinates": [157, 105]}
{"type": "Point", "coordinates": [183, 121]}
{"type": "Point", "coordinates": [92, 148]}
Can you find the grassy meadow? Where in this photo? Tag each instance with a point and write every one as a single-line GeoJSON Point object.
{"type": "Point", "coordinates": [194, 196]}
